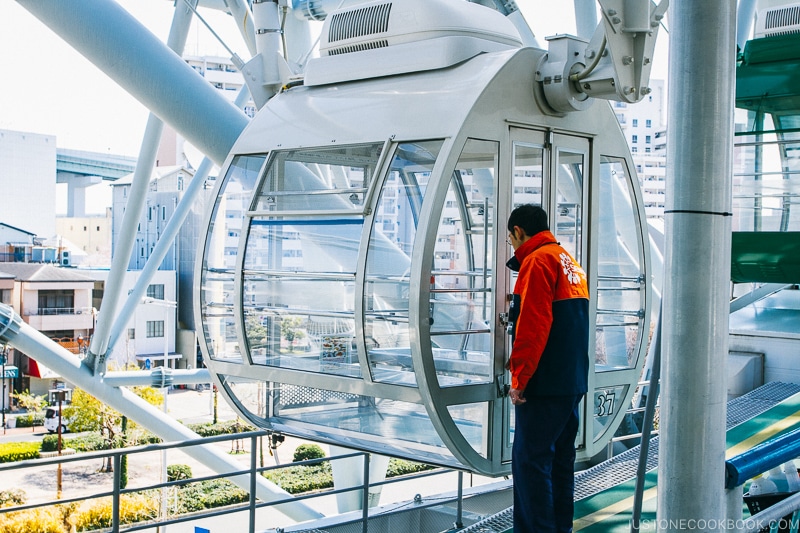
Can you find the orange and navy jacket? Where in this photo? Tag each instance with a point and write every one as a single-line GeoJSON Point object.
{"type": "Point", "coordinates": [550, 354]}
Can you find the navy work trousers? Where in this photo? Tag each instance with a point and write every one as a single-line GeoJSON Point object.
{"type": "Point", "coordinates": [543, 463]}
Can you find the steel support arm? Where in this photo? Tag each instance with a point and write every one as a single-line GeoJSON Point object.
{"type": "Point", "coordinates": [132, 56]}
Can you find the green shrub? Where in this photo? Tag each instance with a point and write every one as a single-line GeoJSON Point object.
{"type": "Point", "coordinates": [90, 442]}
{"type": "Point", "coordinates": [50, 443]}
{"type": "Point", "coordinates": [178, 472]}
{"type": "Point", "coordinates": [132, 508]}
{"type": "Point", "coordinates": [208, 494]}
{"type": "Point", "coordinates": [26, 421]}
{"type": "Point", "coordinates": [302, 478]}
{"type": "Point", "coordinates": [18, 451]}
{"type": "Point", "coordinates": [399, 467]}
{"type": "Point", "coordinates": [306, 452]}
{"type": "Point", "coordinates": [12, 497]}
{"type": "Point", "coordinates": [228, 427]}
{"type": "Point", "coordinates": [142, 438]}
{"type": "Point", "coordinates": [40, 520]}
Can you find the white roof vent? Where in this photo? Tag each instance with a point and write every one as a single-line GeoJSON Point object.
{"type": "Point", "coordinates": [384, 38]}
{"type": "Point", "coordinates": [778, 21]}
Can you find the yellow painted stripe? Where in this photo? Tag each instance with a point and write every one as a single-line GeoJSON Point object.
{"type": "Point", "coordinates": [763, 435]}
{"type": "Point", "coordinates": [613, 509]}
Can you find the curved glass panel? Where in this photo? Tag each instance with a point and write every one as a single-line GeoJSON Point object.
{"type": "Point", "coordinates": [620, 283]}
{"type": "Point", "coordinates": [472, 419]}
{"type": "Point", "coordinates": [298, 284]}
{"type": "Point", "coordinates": [462, 278]}
{"type": "Point", "coordinates": [396, 427]}
{"type": "Point", "coordinates": [300, 314]}
{"type": "Point", "coordinates": [387, 273]}
{"type": "Point", "coordinates": [318, 179]}
{"type": "Point", "coordinates": [569, 199]}
{"type": "Point", "coordinates": [219, 262]}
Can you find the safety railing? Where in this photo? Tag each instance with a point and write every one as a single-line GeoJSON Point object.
{"type": "Point", "coordinates": [252, 471]}
{"type": "Point", "coordinates": [629, 412]}
{"type": "Point", "coordinates": [761, 458]}
{"type": "Point", "coordinates": [49, 311]}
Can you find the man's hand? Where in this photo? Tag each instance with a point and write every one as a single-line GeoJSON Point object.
{"type": "Point", "coordinates": [516, 396]}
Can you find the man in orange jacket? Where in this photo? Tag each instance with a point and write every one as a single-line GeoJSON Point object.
{"type": "Point", "coordinates": [549, 367]}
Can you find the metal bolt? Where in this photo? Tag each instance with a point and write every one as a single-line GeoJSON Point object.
{"type": "Point", "coordinates": [646, 61]}
{"type": "Point", "coordinates": [616, 20]}
{"type": "Point", "coordinates": [627, 60]}
{"type": "Point", "coordinates": [587, 87]}
{"type": "Point", "coordinates": [590, 54]}
{"type": "Point", "coordinates": [612, 12]}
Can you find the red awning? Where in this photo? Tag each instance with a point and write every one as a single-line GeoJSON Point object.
{"type": "Point", "coordinates": [36, 370]}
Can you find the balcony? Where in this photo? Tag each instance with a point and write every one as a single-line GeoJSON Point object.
{"type": "Point", "coordinates": [55, 318]}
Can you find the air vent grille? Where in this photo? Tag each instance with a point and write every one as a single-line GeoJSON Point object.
{"type": "Point", "coordinates": [359, 22]}
{"type": "Point", "coordinates": [782, 21]}
{"type": "Point", "coordinates": [382, 43]}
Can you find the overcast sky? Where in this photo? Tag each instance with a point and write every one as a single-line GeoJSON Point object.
{"type": "Point", "coordinates": [49, 88]}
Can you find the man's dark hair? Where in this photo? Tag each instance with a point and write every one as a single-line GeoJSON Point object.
{"type": "Point", "coordinates": [531, 218]}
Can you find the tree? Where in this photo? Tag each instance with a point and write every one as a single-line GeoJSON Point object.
{"type": "Point", "coordinates": [290, 329]}
{"type": "Point", "coordinates": [256, 333]}
{"type": "Point", "coordinates": [29, 402]}
{"type": "Point", "coordinates": [87, 413]}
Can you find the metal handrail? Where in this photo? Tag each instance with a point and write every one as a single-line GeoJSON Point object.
{"type": "Point", "coordinates": [253, 470]}
{"type": "Point", "coordinates": [760, 458]}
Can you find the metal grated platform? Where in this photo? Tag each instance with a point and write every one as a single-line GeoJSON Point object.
{"type": "Point", "coordinates": [622, 467]}
{"type": "Point", "coordinates": [619, 469]}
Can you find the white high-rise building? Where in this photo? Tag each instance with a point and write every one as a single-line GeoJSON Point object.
{"type": "Point", "coordinates": [645, 130]}
{"type": "Point", "coordinates": [28, 181]}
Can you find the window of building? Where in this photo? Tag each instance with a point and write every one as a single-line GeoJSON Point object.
{"type": "Point", "coordinates": [56, 302]}
{"type": "Point", "coordinates": [155, 328]}
{"type": "Point", "coordinates": [635, 122]}
{"type": "Point", "coordinates": [98, 228]}
{"type": "Point", "coordinates": [84, 228]}
{"type": "Point", "coordinates": [163, 212]}
{"type": "Point", "coordinates": [156, 291]}
{"type": "Point", "coordinates": [634, 139]}
{"type": "Point", "coordinates": [648, 123]}
{"type": "Point", "coordinates": [634, 149]}
{"type": "Point", "coordinates": [131, 333]}
{"type": "Point", "coordinates": [647, 150]}
{"type": "Point", "coordinates": [647, 139]}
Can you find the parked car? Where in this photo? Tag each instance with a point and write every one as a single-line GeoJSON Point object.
{"type": "Point", "coordinates": [51, 420]}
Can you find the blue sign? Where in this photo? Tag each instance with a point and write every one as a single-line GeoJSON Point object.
{"type": "Point", "coordinates": [147, 364]}
{"type": "Point", "coordinates": [11, 372]}
{"type": "Point", "coordinates": [201, 530]}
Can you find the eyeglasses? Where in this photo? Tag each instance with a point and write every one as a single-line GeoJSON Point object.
{"type": "Point", "coordinates": [508, 241]}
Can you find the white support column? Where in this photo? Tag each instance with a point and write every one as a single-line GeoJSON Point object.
{"type": "Point", "coordinates": [697, 262]}
{"type": "Point", "coordinates": [98, 350]}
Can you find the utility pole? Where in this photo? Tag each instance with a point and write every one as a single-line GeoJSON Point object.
{"type": "Point", "coordinates": [3, 358]}
{"type": "Point", "coordinates": [60, 396]}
